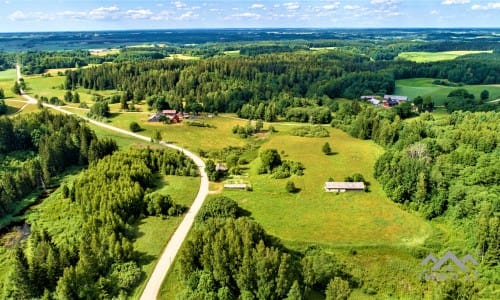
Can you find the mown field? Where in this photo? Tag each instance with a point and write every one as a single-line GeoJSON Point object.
{"type": "Point", "coordinates": [421, 57]}
{"type": "Point", "coordinates": [423, 87]}
{"type": "Point", "coordinates": [377, 230]}
{"type": "Point", "coordinates": [50, 86]}
{"type": "Point", "coordinates": [7, 79]}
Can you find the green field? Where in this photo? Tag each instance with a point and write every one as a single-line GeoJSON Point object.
{"type": "Point", "coordinates": [52, 86]}
{"type": "Point", "coordinates": [190, 137]}
{"type": "Point", "coordinates": [9, 74]}
{"type": "Point", "coordinates": [154, 232]}
{"type": "Point", "coordinates": [379, 230]}
{"type": "Point", "coordinates": [7, 79]}
{"type": "Point", "coordinates": [421, 57]}
{"type": "Point", "coordinates": [423, 87]}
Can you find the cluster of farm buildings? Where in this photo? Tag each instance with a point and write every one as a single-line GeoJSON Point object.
{"type": "Point", "coordinates": [388, 100]}
{"type": "Point", "coordinates": [168, 114]}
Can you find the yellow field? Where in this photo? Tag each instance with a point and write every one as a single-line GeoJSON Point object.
{"type": "Point", "coordinates": [421, 57]}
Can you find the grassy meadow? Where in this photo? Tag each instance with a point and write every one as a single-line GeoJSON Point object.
{"type": "Point", "coordinates": [153, 233]}
{"type": "Point", "coordinates": [7, 79]}
{"type": "Point", "coordinates": [314, 216]}
{"type": "Point", "coordinates": [423, 87]}
{"type": "Point", "coordinates": [422, 57]}
{"type": "Point", "coordinates": [380, 233]}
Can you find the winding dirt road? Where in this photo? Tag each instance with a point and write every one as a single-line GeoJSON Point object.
{"type": "Point", "coordinates": [170, 251]}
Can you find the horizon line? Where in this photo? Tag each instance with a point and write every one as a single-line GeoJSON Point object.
{"type": "Point", "coordinates": [257, 28]}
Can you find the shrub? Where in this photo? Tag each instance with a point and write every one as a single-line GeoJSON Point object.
{"type": "Point", "coordinates": [310, 131]}
{"type": "Point", "coordinates": [134, 127]}
{"type": "Point", "coordinates": [290, 187]}
{"type": "Point", "coordinates": [219, 207]}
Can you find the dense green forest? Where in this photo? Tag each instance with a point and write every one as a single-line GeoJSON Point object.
{"type": "Point", "coordinates": [230, 256]}
{"type": "Point", "coordinates": [49, 144]}
{"type": "Point", "coordinates": [93, 258]}
{"type": "Point", "coordinates": [446, 168]}
{"type": "Point", "coordinates": [291, 85]}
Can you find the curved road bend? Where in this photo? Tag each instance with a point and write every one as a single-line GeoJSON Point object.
{"type": "Point", "coordinates": [174, 244]}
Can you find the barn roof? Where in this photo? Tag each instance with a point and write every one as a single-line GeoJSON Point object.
{"type": "Point", "coordinates": [345, 185]}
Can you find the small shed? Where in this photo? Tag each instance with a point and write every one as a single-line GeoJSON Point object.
{"type": "Point", "coordinates": [332, 186]}
{"type": "Point", "coordinates": [235, 186]}
{"type": "Point", "coordinates": [155, 118]}
{"type": "Point", "coordinates": [221, 168]}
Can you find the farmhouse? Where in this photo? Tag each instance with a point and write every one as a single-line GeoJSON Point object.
{"type": "Point", "coordinates": [372, 99]}
{"type": "Point", "coordinates": [397, 98]}
{"type": "Point", "coordinates": [331, 186]}
{"type": "Point", "coordinates": [170, 114]}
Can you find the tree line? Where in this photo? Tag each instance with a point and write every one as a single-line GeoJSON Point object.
{"type": "Point", "coordinates": [442, 168]}
{"type": "Point", "coordinates": [230, 256]}
{"type": "Point", "coordinates": [59, 141]}
{"type": "Point", "coordinates": [104, 202]}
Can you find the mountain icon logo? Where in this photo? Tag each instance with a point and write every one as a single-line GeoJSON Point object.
{"type": "Point", "coordinates": [450, 267]}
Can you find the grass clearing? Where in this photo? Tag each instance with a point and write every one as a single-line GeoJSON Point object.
{"type": "Point", "coordinates": [421, 57]}
{"type": "Point", "coordinates": [190, 137]}
{"type": "Point", "coordinates": [382, 234]}
{"type": "Point", "coordinates": [7, 79]}
{"type": "Point", "coordinates": [232, 53]}
{"type": "Point", "coordinates": [423, 87]}
{"type": "Point", "coordinates": [183, 57]}
{"type": "Point", "coordinates": [8, 75]}
{"type": "Point", "coordinates": [50, 86]}
{"type": "Point", "coordinates": [154, 232]}
{"type": "Point", "coordinates": [314, 216]}
{"type": "Point", "coordinates": [13, 106]}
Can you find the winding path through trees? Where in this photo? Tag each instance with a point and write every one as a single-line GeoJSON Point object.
{"type": "Point", "coordinates": [170, 251]}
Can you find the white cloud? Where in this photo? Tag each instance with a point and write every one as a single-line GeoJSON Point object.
{"type": "Point", "coordinates": [488, 6]}
{"type": "Point", "coordinates": [257, 6]}
{"type": "Point", "coordinates": [103, 13]}
{"type": "Point", "coordinates": [384, 2]}
{"type": "Point", "coordinates": [179, 4]}
{"type": "Point", "coordinates": [139, 14]}
{"type": "Point", "coordinates": [18, 16]}
{"type": "Point", "coordinates": [453, 2]}
{"type": "Point", "coordinates": [352, 7]}
{"type": "Point", "coordinates": [188, 16]}
{"type": "Point", "coordinates": [331, 6]}
{"type": "Point", "coordinates": [434, 12]}
{"type": "Point", "coordinates": [291, 5]}
{"type": "Point", "coordinates": [248, 15]}
{"type": "Point", "coordinates": [69, 14]}
{"type": "Point", "coordinates": [163, 15]}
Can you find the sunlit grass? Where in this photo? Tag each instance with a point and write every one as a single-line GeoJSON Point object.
{"type": "Point", "coordinates": [421, 57]}
{"type": "Point", "coordinates": [423, 87]}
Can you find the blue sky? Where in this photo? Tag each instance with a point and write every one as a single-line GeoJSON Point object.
{"type": "Point", "coordinates": [61, 15]}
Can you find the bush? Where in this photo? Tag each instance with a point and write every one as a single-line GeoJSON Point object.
{"type": "Point", "coordinates": [219, 207]}
{"type": "Point", "coordinates": [290, 187]}
{"type": "Point", "coordinates": [134, 127]}
{"type": "Point", "coordinates": [310, 131]}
